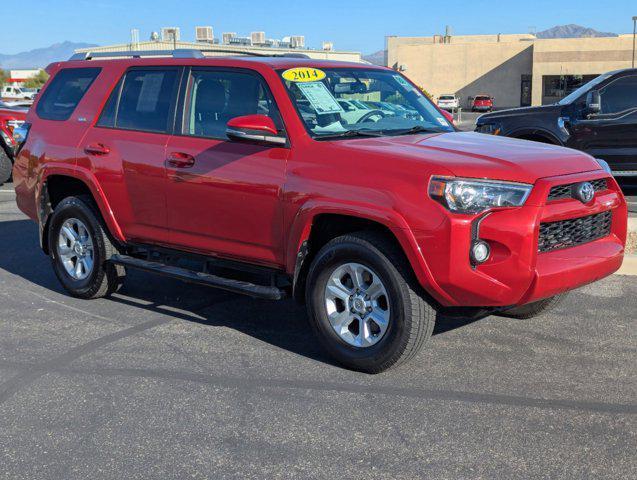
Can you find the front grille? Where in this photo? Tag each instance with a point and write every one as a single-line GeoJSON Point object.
{"type": "Point", "coordinates": [576, 231]}
{"type": "Point", "coordinates": [566, 191]}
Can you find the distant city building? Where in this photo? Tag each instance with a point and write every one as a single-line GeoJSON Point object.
{"type": "Point", "coordinates": [518, 70]}
{"type": "Point", "coordinates": [18, 76]}
{"type": "Point", "coordinates": [256, 43]}
{"type": "Point", "coordinates": [240, 45]}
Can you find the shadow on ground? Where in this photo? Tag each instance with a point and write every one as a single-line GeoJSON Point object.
{"type": "Point", "coordinates": [282, 324]}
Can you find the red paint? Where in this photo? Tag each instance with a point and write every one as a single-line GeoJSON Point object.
{"type": "Point", "coordinates": [7, 115]}
{"type": "Point", "coordinates": [257, 203]}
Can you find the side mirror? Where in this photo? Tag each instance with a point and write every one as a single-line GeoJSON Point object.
{"type": "Point", "coordinates": [593, 102]}
{"type": "Point", "coordinates": [254, 129]}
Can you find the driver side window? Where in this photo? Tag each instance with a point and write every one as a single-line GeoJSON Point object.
{"type": "Point", "coordinates": [215, 97]}
{"type": "Point", "coordinates": [620, 95]}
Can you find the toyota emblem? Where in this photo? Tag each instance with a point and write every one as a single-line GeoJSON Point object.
{"type": "Point", "coordinates": [584, 192]}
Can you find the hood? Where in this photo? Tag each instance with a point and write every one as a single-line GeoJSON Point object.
{"type": "Point", "coordinates": [468, 154]}
{"type": "Point", "coordinates": [522, 111]}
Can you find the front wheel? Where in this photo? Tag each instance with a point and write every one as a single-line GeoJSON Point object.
{"type": "Point", "coordinates": [534, 309]}
{"type": "Point", "coordinates": [80, 247]}
{"type": "Point", "coordinates": [365, 305]}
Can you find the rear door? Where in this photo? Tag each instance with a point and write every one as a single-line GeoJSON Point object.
{"type": "Point", "coordinates": [612, 134]}
{"type": "Point", "coordinates": [224, 197]}
{"type": "Point", "coordinates": [127, 149]}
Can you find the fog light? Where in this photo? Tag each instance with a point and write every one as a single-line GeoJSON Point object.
{"type": "Point", "coordinates": [480, 251]}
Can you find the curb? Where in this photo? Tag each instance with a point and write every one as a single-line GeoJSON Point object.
{"type": "Point", "coordinates": [629, 267]}
{"type": "Point", "coordinates": [631, 240]}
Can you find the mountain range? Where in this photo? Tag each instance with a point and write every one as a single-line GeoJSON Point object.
{"type": "Point", "coordinates": [41, 57]}
{"type": "Point", "coordinates": [572, 31]}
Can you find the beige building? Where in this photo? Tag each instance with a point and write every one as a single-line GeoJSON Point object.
{"type": "Point", "coordinates": [517, 70]}
{"type": "Point", "coordinates": [224, 50]}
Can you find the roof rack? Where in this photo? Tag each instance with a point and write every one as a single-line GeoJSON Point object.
{"type": "Point", "coordinates": [178, 53]}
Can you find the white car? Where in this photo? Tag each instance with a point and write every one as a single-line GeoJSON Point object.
{"type": "Point", "coordinates": [18, 93]}
{"type": "Point", "coordinates": [448, 101]}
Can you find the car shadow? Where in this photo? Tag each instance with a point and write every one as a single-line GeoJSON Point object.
{"type": "Point", "coordinates": [282, 324]}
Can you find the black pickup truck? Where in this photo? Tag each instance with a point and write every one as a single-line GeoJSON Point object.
{"type": "Point", "coordinates": [599, 118]}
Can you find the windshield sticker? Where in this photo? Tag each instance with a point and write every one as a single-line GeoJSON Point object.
{"type": "Point", "coordinates": [403, 83]}
{"type": "Point", "coordinates": [303, 74]}
{"type": "Point", "coordinates": [320, 98]}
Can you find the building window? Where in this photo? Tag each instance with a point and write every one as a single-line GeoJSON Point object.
{"type": "Point", "coordinates": [556, 87]}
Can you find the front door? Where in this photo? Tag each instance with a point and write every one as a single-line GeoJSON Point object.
{"type": "Point", "coordinates": [224, 197]}
{"type": "Point", "coordinates": [612, 134]}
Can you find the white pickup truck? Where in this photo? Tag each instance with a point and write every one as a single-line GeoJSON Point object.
{"type": "Point", "coordinates": [18, 93]}
{"type": "Point", "coordinates": [448, 102]}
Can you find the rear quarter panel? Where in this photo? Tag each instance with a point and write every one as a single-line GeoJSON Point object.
{"type": "Point", "coordinates": [51, 148]}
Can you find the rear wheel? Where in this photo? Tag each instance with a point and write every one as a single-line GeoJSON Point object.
{"type": "Point", "coordinates": [6, 165]}
{"type": "Point", "coordinates": [534, 309]}
{"type": "Point", "coordinates": [364, 304]}
{"type": "Point", "coordinates": [79, 248]}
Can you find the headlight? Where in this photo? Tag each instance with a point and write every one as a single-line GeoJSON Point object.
{"type": "Point", "coordinates": [489, 128]}
{"type": "Point", "coordinates": [466, 195]}
{"type": "Point", "coordinates": [604, 165]}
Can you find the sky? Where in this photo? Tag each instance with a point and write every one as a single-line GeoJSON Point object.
{"type": "Point", "coordinates": [351, 24]}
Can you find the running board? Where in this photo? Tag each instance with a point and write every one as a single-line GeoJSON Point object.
{"type": "Point", "coordinates": [200, 278]}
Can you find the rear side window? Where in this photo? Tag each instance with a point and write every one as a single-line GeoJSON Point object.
{"type": "Point", "coordinates": [143, 101]}
{"type": "Point", "coordinates": [64, 93]}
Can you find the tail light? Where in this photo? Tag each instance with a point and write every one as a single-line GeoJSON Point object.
{"type": "Point", "coordinates": [20, 134]}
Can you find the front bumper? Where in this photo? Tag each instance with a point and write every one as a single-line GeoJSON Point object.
{"type": "Point", "coordinates": [516, 273]}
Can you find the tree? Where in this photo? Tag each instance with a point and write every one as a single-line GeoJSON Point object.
{"type": "Point", "coordinates": [37, 81]}
{"type": "Point", "coordinates": [4, 77]}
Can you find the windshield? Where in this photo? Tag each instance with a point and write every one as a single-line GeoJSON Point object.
{"type": "Point", "coordinates": [584, 88]}
{"type": "Point", "coordinates": [340, 102]}
{"type": "Point", "coordinates": [446, 97]}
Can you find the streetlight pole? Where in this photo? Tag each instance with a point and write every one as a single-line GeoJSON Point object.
{"type": "Point", "coordinates": [634, 35]}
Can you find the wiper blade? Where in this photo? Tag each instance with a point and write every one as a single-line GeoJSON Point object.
{"type": "Point", "coordinates": [350, 133]}
{"type": "Point", "coordinates": [416, 129]}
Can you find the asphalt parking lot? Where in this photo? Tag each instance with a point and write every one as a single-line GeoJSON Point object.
{"type": "Point", "coordinates": [167, 380]}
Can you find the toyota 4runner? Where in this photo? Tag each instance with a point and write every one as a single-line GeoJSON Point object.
{"type": "Point", "coordinates": [247, 174]}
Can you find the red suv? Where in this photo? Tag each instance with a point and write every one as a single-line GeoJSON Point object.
{"type": "Point", "coordinates": [247, 174]}
{"type": "Point", "coordinates": [11, 119]}
{"type": "Point", "coordinates": [482, 103]}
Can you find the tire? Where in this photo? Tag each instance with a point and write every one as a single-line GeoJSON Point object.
{"type": "Point", "coordinates": [410, 319]}
{"type": "Point", "coordinates": [534, 309]}
{"type": "Point", "coordinates": [104, 278]}
{"type": "Point", "coordinates": [6, 166]}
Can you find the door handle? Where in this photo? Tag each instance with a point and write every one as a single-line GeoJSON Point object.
{"type": "Point", "coordinates": [97, 149]}
{"type": "Point", "coordinates": [180, 160]}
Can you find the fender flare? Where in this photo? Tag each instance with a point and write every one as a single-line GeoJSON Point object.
{"type": "Point", "coordinates": [43, 203]}
{"type": "Point", "coordinates": [539, 131]}
{"type": "Point", "coordinates": [301, 227]}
